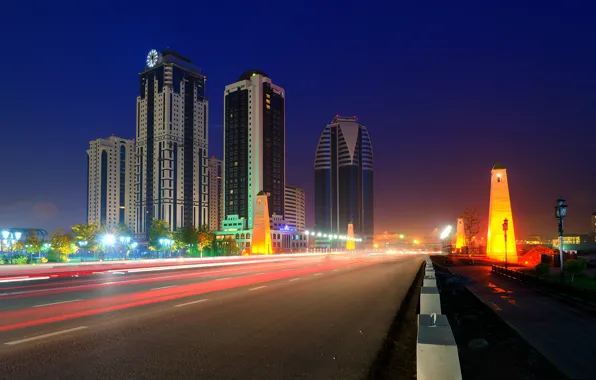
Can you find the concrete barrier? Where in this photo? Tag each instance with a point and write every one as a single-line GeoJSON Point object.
{"type": "Point", "coordinates": [429, 281]}
{"type": "Point", "coordinates": [430, 301]}
{"type": "Point", "coordinates": [436, 351]}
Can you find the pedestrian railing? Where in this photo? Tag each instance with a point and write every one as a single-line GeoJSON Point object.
{"type": "Point", "coordinates": [436, 350]}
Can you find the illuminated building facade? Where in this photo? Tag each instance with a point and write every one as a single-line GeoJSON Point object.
{"type": "Point", "coordinates": [215, 194]}
{"type": "Point", "coordinates": [499, 210]}
{"type": "Point", "coordinates": [254, 145]}
{"type": "Point", "coordinates": [295, 207]}
{"type": "Point", "coordinates": [110, 182]}
{"type": "Point", "coordinates": [344, 178]}
{"type": "Point", "coordinates": [171, 143]}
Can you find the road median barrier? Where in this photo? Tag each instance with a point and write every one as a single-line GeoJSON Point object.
{"type": "Point", "coordinates": [436, 351]}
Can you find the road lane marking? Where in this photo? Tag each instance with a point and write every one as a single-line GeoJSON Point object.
{"type": "Point", "coordinates": [258, 287]}
{"type": "Point", "coordinates": [294, 279]}
{"type": "Point", "coordinates": [316, 274]}
{"type": "Point", "coordinates": [56, 303]}
{"type": "Point", "coordinates": [45, 335]}
{"type": "Point", "coordinates": [191, 303]}
{"type": "Point", "coordinates": [97, 272]}
{"type": "Point", "coordinates": [258, 273]}
{"type": "Point", "coordinates": [335, 270]}
{"type": "Point", "coordinates": [163, 287]}
{"type": "Point", "coordinates": [25, 279]}
{"type": "Point", "coordinates": [117, 272]}
{"type": "Point", "coordinates": [223, 278]}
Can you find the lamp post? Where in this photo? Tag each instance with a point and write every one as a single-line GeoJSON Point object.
{"type": "Point", "coordinates": [9, 238]}
{"type": "Point", "coordinates": [560, 214]}
{"type": "Point", "coordinates": [108, 240]}
{"type": "Point", "coordinates": [505, 228]}
{"type": "Point", "coordinates": [125, 240]}
{"type": "Point", "coordinates": [82, 245]}
{"type": "Point", "coordinates": [134, 245]}
{"type": "Point", "coordinates": [165, 242]}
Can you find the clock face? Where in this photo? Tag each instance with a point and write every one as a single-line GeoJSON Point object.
{"type": "Point", "coordinates": [152, 58]}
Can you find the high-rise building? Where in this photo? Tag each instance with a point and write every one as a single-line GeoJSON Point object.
{"type": "Point", "coordinates": [254, 145]}
{"type": "Point", "coordinates": [215, 194]}
{"type": "Point", "coordinates": [295, 208]}
{"type": "Point", "coordinates": [172, 179]}
{"type": "Point", "coordinates": [344, 178]}
{"type": "Point", "coordinates": [110, 182]}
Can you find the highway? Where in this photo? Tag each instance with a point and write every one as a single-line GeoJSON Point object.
{"type": "Point", "coordinates": [310, 317]}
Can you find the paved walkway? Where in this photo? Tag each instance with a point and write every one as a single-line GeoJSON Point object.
{"type": "Point", "coordinates": [564, 335]}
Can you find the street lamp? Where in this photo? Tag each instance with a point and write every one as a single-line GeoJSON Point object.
{"type": "Point", "coordinates": [445, 235]}
{"type": "Point", "coordinates": [165, 242]}
{"type": "Point", "coordinates": [560, 214]}
{"type": "Point", "coordinates": [108, 240]}
{"type": "Point", "coordinates": [124, 240]}
{"type": "Point", "coordinates": [82, 244]}
{"type": "Point", "coordinates": [505, 228]}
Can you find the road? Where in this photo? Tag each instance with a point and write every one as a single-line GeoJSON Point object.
{"type": "Point", "coordinates": [315, 318]}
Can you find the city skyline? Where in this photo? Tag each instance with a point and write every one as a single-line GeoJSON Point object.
{"type": "Point", "coordinates": [453, 113]}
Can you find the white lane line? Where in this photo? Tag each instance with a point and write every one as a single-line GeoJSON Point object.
{"type": "Point", "coordinates": [97, 272]}
{"type": "Point", "coordinates": [294, 279]}
{"type": "Point", "coordinates": [56, 303]}
{"type": "Point", "coordinates": [259, 273]}
{"type": "Point", "coordinates": [316, 274]}
{"type": "Point", "coordinates": [335, 270]}
{"type": "Point", "coordinates": [258, 287]}
{"type": "Point", "coordinates": [45, 336]}
{"type": "Point", "coordinates": [117, 272]}
{"type": "Point", "coordinates": [191, 303]}
{"type": "Point", "coordinates": [25, 279]}
{"type": "Point", "coordinates": [163, 287]}
{"type": "Point", "coordinates": [223, 278]}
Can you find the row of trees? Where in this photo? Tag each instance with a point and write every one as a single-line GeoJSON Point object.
{"type": "Point", "coordinates": [188, 241]}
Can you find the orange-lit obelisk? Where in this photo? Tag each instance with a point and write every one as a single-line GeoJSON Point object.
{"type": "Point", "coordinates": [499, 210]}
{"type": "Point", "coordinates": [350, 244]}
{"type": "Point", "coordinates": [460, 235]}
{"type": "Point", "coordinates": [261, 231]}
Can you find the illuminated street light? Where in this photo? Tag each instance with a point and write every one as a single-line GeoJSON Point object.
{"type": "Point", "coordinates": [108, 240]}
{"type": "Point", "coordinates": [446, 232]}
{"type": "Point", "coordinates": [124, 239]}
{"type": "Point", "coordinates": [5, 234]}
{"type": "Point", "coordinates": [319, 234]}
{"type": "Point", "coordinates": [134, 244]}
{"type": "Point", "coordinates": [307, 233]}
{"type": "Point", "coordinates": [401, 236]}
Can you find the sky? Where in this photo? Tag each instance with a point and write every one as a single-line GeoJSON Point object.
{"type": "Point", "coordinates": [444, 90]}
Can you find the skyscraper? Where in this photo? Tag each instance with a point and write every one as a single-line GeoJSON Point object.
{"type": "Point", "coordinates": [295, 207]}
{"type": "Point", "coordinates": [172, 178]}
{"type": "Point", "coordinates": [215, 194]}
{"type": "Point", "coordinates": [344, 178]}
{"type": "Point", "coordinates": [110, 182]}
{"type": "Point", "coordinates": [254, 145]}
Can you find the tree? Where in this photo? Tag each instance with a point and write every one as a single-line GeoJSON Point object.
{"type": "Point", "coordinates": [122, 230]}
{"type": "Point", "coordinates": [62, 245]}
{"type": "Point", "coordinates": [159, 229]}
{"type": "Point", "coordinates": [205, 238]}
{"type": "Point", "coordinates": [86, 232]}
{"type": "Point", "coordinates": [186, 238]}
{"type": "Point", "coordinates": [32, 242]}
{"type": "Point", "coordinates": [471, 227]}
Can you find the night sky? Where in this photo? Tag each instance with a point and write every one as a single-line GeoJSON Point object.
{"type": "Point", "coordinates": [445, 92]}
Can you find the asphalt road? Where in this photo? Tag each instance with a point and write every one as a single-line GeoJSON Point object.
{"type": "Point", "coordinates": [314, 318]}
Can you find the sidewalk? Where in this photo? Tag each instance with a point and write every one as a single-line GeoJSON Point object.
{"type": "Point", "coordinates": [564, 335]}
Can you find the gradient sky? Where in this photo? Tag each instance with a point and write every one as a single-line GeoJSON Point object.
{"type": "Point", "coordinates": [444, 91]}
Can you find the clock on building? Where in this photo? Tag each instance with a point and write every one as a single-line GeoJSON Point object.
{"type": "Point", "coordinates": [152, 58]}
